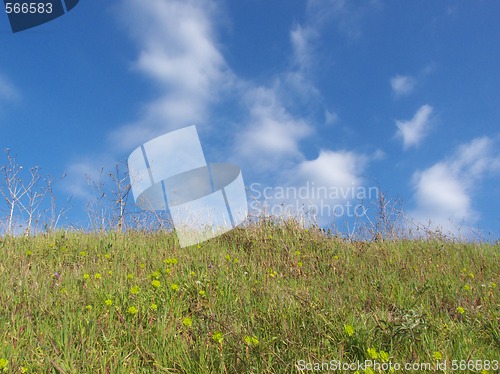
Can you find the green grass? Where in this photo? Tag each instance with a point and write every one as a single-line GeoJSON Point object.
{"type": "Point", "coordinates": [255, 300]}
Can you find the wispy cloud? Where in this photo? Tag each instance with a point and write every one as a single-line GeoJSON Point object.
{"type": "Point", "coordinates": [414, 131]}
{"type": "Point", "coordinates": [402, 85]}
{"type": "Point", "coordinates": [7, 90]}
{"type": "Point", "coordinates": [476, 159]}
{"type": "Point", "coordinates": [178, 51]}
{"type": "Point", "coordinates": [272, 133]}
{"type": "Point", "coordinates": [443, 192]}
{"type": "Point", "coordinates": [348, 15]}
{"type": "Point", "coordinates": [302, 39]}
{"type": "Point", "coordinates": [330, 117]}
{"type": "Point", "coordinates": [405, 85]}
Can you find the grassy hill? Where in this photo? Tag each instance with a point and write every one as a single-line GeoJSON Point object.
{"type": "Point", "coordinates": [270, 298]}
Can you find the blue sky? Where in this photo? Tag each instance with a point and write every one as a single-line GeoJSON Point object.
{"type": "Point", "coordinates": [344, 95]}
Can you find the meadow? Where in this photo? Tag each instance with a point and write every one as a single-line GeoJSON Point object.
{"type": "Point", "coordinates": [268, 298]}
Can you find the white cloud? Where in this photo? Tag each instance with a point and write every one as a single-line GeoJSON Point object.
{"type": "Point", "coordinates": [272, 133]}
{"type": "Point", "coordinates": [326, 187]}
{"type": "Point", "coordinates": [7, 90]}
{"type": "Point", "coordinates": [348, 15]}
{"type": "Point", "coordinates": [330, 117]}
{"type": "Point", "coordinates": [298, 83]}
{"type": "Point", "coordinates": [297, 89]}
{"type": "Point", "coordinates": [379, 155]}
{"type": "Point", "coordinates": [333, 168]}
{"type": "Point", "coordinates": [443, 192]}
{"type": "Point", "coordinates": [415, 130]}
{"type": "Point", "coordinates": [321, 191]}
{"type": "Point", "coordinates": [402, 85]}
{"type": "Point", "coordinates": [178, 51]}
{"type": "Point", "coordinates": [302, 38]}
{"type": "Point", "coordinates": [295, 85]}
{"type": "Point", "coordinates": [320, 14]}
{"type": "Point", "coordinates": [477, 158]}
{"type": "Point", "coordinates": [441, 196]}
